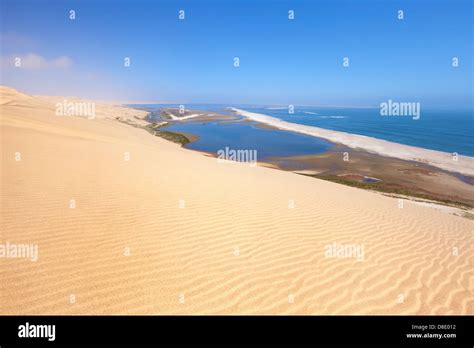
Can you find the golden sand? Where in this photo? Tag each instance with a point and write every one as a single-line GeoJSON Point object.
{"type": "Point", "coordinates": [126, 222]}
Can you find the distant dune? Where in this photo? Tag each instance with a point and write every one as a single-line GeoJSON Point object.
{"type": "Point", "coordinates": [126, 222]}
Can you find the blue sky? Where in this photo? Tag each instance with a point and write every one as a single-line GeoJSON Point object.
{"type": "Point", "coordinates": [282, 61]}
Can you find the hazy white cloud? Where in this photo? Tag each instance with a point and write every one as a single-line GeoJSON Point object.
{"type": "Point", "coordinates": [33, 61]}
{"type": "Point", "coordinates": [61, 62]}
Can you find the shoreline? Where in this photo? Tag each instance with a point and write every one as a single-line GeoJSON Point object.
{"type": "Point", "coordinates": [417, 193]}
{"type": "Point", "coordinates": [366, 170]}
{"type": "Point", "coordinates": [464, 165]}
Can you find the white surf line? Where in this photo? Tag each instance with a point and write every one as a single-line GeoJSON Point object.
{"type": "Point", "coordinates": [443, 160]}
{"type": "Point", "coordinates": [332, 117]}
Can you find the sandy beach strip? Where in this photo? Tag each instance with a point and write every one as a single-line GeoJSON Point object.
{"type": "Point", "coordinates": [463, 165]}
{"type": "Point", "coordinates": [129, 223]}
{"type": "Point", "coordinates": [175, 118]}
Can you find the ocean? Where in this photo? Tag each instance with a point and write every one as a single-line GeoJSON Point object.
{"type": "Point", "coordinates": [442, 130]}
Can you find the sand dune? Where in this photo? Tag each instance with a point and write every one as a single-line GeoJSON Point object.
{"type": "Point", "coordinates": [443, 160]}
{"type": "Point", "coordinates": [234, 248]}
